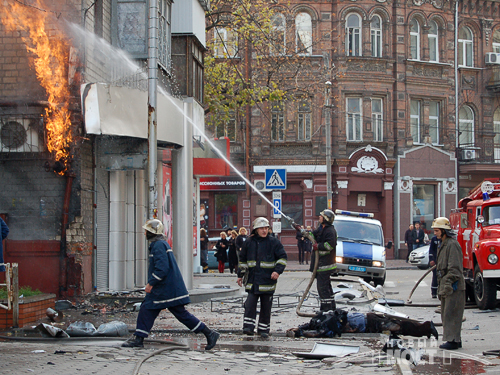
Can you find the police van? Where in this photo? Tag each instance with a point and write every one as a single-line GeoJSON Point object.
{"type": "Point", "coordinates": [360, 246]}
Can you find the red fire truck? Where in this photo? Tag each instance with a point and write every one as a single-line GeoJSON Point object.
{"type": "Point", "coordinates": [477, 222]}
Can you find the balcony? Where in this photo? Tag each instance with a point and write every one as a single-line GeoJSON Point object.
{"type": "Point", "coordinates": [493, 83]}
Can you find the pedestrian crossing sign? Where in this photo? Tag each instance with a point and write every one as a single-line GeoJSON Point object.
{"type": "Point", "coordinates": [276, 179]}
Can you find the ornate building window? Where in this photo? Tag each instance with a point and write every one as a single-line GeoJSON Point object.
{"type": "Point", "coordinates": [304, 121]}
{"type": "Point", "coordinates": [277, 122]}
{"type": "Point", "coordinates": [416, 121]}
{"type": "Point", "coordinates": [496, 140]}
{"type": "Point", "coordinates": [227, 129]}
{"type": "Point", "coordinates": [353, 119]}
{"type": "Point", "coordinates": [466, 126]}
{"type": "Point", "coordinates": [278, 35]}
{"type": "Point", "coordinates": [433, 41]}
{"type": "Point", "coordinates": [496, 41]}
{"type": "Point", "coordinates": [465, 47]}
{"type": "Point", "coordinates": [226, 42]}
{"type": "Point", "coordinates": [303, 34]}
{"type": "Point", "coordinates": [414, 39]}
{"type": "Point", "coordinates": [165, 34]}
{"type": "Point", "coordinates": [353, 35]}
{"type": "Point", "coordinates": [434, 122]}
{"type": "Point", "coordinates": [376, 36]}
{"type": "Point", "coordinates": [377, 120]}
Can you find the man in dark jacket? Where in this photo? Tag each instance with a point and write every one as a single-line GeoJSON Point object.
{"type": "Point", "coordinates": [433, 248]}
{"type": "Point", "coordinates": [5, 232]}
{"type": "Point", "coordinates": [409, 241]}
{"type": "Point", "coordinates": [300, 244]}
{"type": "Point", "coordinates": [165, 290]}
{"type": "Point", "coordinates": [264, 259]}
{"type": "Point", "coordinates": [326, 244]}
{"type": "Point", "coordinates": [417, 236]}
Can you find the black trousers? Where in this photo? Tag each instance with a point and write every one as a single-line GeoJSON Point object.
{"type": "Point", "coordinates": [405, 327]}
{"type": "Point", "coordinates": [301, 246]}
{"type": "Point", "coordinates": [434, 284]}
{"type": "Point", "coordinates": [249, 320]}
{"type": "Point", "coordinates": [146, 319]}
{"type": "Point", "coordinates": [325, 291]}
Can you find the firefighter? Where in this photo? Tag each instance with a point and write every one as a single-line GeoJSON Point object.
{"type": "Point", "coordinates": [165, 290]}
{"type": "Point", "coordinates": [451, 283]}
{"type": "Point", "coordinates": [326, 242]}
{"type": "Point", "coordinates": [263, 259]}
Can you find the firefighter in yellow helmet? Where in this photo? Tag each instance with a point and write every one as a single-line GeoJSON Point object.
{"type": "Point", "coordinates": [451, 283]}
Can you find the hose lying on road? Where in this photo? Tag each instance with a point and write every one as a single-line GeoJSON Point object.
{"type": "Point", "coordinates": [144, 359]}
{"type": "Point", "coordinates": [408, 301]}
{"type": "Point", "coordinates": [313, 276]}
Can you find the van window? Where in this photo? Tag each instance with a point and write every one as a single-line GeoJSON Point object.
{"type": "Point", "coordinates": [359, 232]}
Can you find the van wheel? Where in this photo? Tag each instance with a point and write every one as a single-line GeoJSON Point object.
{"type": "Point", "coordinates": [485, 291]}
{"type": "Point", "coordinates": [379, 280]}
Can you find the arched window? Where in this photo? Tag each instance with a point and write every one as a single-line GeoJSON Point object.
{"type": "Point", "coordinates": [433, 41]}
{"type": "Point", "coordinates": [303, 34]}
{"type": "Point", "coordinates": [353, 35]}
{"type": "Point", "coordinates": [466, 126]}
{"type": "Point", "coordinates": [496, 41]}
{"type": "Point", "coordinates": [496, 140]}
{"type": "Point", "coordinates": [278, 36]}
{"type": "Point", "coordinates": [414, 39]}
{"type": "Point", "coordinates": [465, 47]}
{"type": "Point", "coordinates": [376, 34]}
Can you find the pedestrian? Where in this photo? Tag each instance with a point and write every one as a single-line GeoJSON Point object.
{"type": "Point", "coordinates": [417, 236]}
{"type": "Point", "coordinates": [263, 259]}
{"type": "Point", "coordinates": [240, 240]}
{"type": "Point", "coordinates": [232, 257]}
{"type": "Point", "coordinates": [221, 253]}
{"type": "Point", "coordinates": [165, 290]}
{"type": "Point", "coordinates": [409, 241]}
{"type": "Point", "coordinates": [204, 250]}
{"type": "Point", "coordinates": [300, 244]}
{"type": "Point", "coordinates": [271, 233]}
{"type": "Point", "coordinates": [432, 262]}
{"type": "Point", "coordinates": [307, 246]}
{"type": "Point", "coordinates": [326, 244]}
{"type": "Point", "coordinates": [5, 233]}
{"type": "Point", "coordinates": [451, 283]}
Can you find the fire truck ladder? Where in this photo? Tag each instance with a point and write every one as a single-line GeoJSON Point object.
{"type": "Point", "coordinates": [12, 287]}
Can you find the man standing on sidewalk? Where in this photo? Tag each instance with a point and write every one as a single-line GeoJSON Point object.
{"type": "Point", "coordinates": [264, 259]}
{"type": "Point", "coordinates": [409, 241]}
{"type": "Point", "coordinates": [165, 290]}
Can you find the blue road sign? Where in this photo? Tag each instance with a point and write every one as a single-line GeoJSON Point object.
{"type": "Point", "coordinates": [276, 179]}
{"type": "Point", "coordinates": [277, 207]}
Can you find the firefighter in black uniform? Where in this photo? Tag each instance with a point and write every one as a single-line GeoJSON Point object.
{"type": "Point", "coordinates": [326, 244]}
{"type": "Point", "coordinates": [263, 259]}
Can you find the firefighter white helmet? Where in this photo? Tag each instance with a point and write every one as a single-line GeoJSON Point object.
{"type": "Point", "coordinates": [441, 223]}
{"type": "Point", "coordinates": [154, 226]}
{"type": "Point", "coordinates": [328, 215]}
{"type": "Point", "coordinates": [260, 222]}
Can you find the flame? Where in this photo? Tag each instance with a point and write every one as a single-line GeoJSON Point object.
{"type": "Point", "coordinates": [50, 59]}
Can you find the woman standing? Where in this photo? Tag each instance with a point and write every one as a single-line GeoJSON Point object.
{"type": "Point", "coordinates": [451, 283]}
{"type": "Point", "coordinates": [204, 249]}
{"type": "Point", "coordinates": [232, 256]}
{"type": "Point", "coordinates": [221, 253]}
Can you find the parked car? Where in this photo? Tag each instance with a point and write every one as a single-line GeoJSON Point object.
{"type": "Point", "coordinates": [420, 257]}
{"type": "Point", "coordinates": [213, 264]}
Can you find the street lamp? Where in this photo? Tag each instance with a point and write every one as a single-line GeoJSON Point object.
{"type": "Point", "coordinates": [328, 86]}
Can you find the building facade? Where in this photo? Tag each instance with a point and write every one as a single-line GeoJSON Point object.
{"type": "Point", "coordinates": [411, 101]}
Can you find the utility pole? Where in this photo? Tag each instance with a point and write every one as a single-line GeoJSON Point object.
{"type": "Point", "coordinates": [152, 99]}
{"type": "Point", "coordinates": [328, 136]}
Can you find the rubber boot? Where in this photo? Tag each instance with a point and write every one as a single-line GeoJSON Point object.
{"type": "Point", "coordinates": [134, 342]}
{"type": "Point", "coordinates": [212, 337]}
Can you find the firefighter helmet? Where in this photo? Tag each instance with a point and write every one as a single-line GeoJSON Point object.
{"type": "Point", "coordinates": [260, 222]}
{"type": "Point", "coordinates": [441, 223]}
{"type": "Point", "coordinates": [154, 226]}
{"type": "Point", "coordinates": [328, 215]}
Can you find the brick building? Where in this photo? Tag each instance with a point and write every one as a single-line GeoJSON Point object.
{"type": "Point", "coordinates": [75, 223]}
{"type": "Point", "coordinates": [399, 70]}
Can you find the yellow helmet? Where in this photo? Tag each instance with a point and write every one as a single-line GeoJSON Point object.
{"type": "Point", "coordinates": [441, 223]}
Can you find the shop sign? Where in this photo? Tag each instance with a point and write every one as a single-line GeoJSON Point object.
{"type": "Point", "coordinates": [222, 184]}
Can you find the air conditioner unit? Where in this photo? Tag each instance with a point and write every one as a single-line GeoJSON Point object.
{"type": "Point", "coordinates": [492, 58]}
{"type": "Point", "coordinates": [19, 135]}
{"type": "Point", "coordinates": [260, 185]}
{"type": "Point", "coordinates": [468, 154]}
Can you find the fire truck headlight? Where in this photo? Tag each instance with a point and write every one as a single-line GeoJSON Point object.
{"type": "Point", "coordinates": [339, 259]}
{"type": "Point", "coordinates": [493, 258]}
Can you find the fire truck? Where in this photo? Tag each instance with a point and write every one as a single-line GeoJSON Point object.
{"type": "Point", "coordinates": [477, 222]}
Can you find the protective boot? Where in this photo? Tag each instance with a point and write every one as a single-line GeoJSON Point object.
{"type": "Point", "coordinates": [134, 342]}
{"type": "Point", "coordinates": [327, 305]}
{"type": "Point", "coordinates": [212, 337]}
{"type": "Point", "coordinates": [451, 345]}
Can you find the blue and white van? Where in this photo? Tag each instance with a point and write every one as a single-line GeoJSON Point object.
{"type": "Point", "coordinates": [360, 246]}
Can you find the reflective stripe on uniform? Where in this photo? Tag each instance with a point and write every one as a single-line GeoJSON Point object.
{"type": "Point", "coordinates": [281, 261]}
{"type": "Point", "coordinates": [327, 267]}
{"type": "Point", "coordinates": [248, 287]}
{"type": "Point", "coordinates": [321, 253]}
{"type": "Point", "coordinates": [267, 264]}
{"type": "Point", "coordinates": [267, 288]}
{"type": "Point", "coordinates": [252, 263]}
{"type": "Point", "coordinates": [172, 299]}
{"type": "Point", "coordinates": [328, 246]}
{"type": "Point", "coordinates": [156, 277]}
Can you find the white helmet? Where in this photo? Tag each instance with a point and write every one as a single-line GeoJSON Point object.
{"type": "Point", "coordinates": [154, 226]}
{"type": "Point", "coordinates": [260, 222]}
